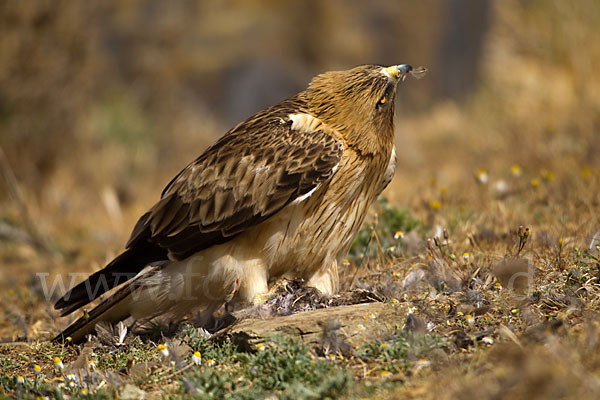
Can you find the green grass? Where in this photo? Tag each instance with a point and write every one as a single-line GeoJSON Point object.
{"type": "Point", "coordinates": [402, 351]}
{"type": "Point", "coordinates": [379, 235]}
{"type": "Point", "coordinates": [285, 368]}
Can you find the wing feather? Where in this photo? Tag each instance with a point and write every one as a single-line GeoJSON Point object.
{"type": "Point", "coordinates": [250, 174]}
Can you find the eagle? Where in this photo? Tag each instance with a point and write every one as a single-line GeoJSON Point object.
{"type": "Point", "coordinates": [282, 194]}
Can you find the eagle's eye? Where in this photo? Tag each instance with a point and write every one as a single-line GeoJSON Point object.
{"type": "Point", "coordinates": [389, 92]}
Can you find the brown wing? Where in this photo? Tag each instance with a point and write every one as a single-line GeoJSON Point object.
{"type": "Point", "coordinates": [247, 176]}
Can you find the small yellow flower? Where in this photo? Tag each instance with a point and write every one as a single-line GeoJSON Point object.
{"type": "Point", "coordinates": [535, 182]}
{"type": "Point", "coordinates": [383, 346]}
{"type": "Point", "coordinates": [516, 170]}
{"type": "Point", "coordinates": [469, 318]}
{"type": "Point", "coordinates": [197, 358]}
{"type": "Point", "coordinates": [586, 173]}
{"type": "Point", "coordinates": [460, 314]}
{"type": "Point", "coordinates": [346, 262]}
{"type": "Point", "coordinates": [163, 350]}
{"type": "Point", "coordinates": [498, 285]}
{"type": "Point", "coordinates": [385, 374]}
{"type": "Point", "coordinates": [37, 369]}
{"type": "Point", "coordinates": [560, 241]}
{"type": "Point", "coordinates": [487, 340]}
{"type": "Point", "coordinates": [423, 363]}
{"type": "Point", "coordinates": [514, 311]}
{"type": "Point", "coordinates": [391, 249]}
{"type": "Point", "coordinates": [261, 347]}
{"type": "Point", "coordinates": [466, 256]}
{"type": "Point", "coordinates": [398, 235]}
{"type": "Point", "coordinates": [58, 363]}
{"type": "Point", "coordinates": [396, 274]}
{"type": "Point", "coordinates": [482, 176]}
{"type": "Point", "coordinates": [547, 175]}
{"type": "Point", "coordinates": [210, 363]}
{"type": "Point", "coordinates": [20, 379]}
{"type": "Point", "coordinates": [84, 391]}
{"type": "Point", "coordinates": [435, 205]}
{"type": "Point", "coordinates": [71, 377]}
{"type": "Point", "coordinates": [331, 356]}
{"type": "Point", "coordinates": [92, 364]}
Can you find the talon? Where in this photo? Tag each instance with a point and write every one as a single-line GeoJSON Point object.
{"type": "Point", "coordinates": [262, 298]}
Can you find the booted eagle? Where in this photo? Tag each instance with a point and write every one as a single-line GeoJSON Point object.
{"type": "Point", "coordinates": [280, 195]}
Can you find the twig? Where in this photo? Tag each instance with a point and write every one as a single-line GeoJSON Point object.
{"type": "Point", "coordinates": [175, 373]}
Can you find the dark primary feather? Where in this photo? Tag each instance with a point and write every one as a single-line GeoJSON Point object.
{"type": "Point", "coordinates": [252, 172]}
{"type": "Point", "coordinates": [124, 267]}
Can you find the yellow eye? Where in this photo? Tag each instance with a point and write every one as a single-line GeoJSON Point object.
{"type": "Point", "coordinates": [383, 100]}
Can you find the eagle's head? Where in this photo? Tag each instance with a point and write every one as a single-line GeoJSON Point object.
{"type": "Point", "coordinates": [358, 102]}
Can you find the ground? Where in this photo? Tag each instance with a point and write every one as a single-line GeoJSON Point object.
{"type": "Point", "coordinates": [475, 276]}
{"type": "Point", "coordinates": [499, 301]}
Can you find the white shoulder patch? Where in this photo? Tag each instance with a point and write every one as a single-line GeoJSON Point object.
{"type": "Point", "coordinates": [305, 122]}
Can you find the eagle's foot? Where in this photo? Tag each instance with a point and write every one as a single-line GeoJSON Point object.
{"type": "Point", "coordinates": [273, 292]}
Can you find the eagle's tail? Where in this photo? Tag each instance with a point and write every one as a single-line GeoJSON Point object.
{"type": "Point", "coordinates": [123, 268]}
{"type": "Point", "coordinates": [114, 309]}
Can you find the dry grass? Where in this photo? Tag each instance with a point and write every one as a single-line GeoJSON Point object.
{"type": "Point", "coordinates": [520, 151]}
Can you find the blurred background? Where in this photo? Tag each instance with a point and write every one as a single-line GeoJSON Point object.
{"type": "Point", "coordinates": [102, 102]}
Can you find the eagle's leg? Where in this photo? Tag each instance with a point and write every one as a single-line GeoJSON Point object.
{"type": "Point", "coordinates": [326, 279]}
{"type": "Point", "coordinates": [252, 283]}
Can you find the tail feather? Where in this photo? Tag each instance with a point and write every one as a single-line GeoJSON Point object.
{"type": "Point", "coordinates": [113, 309]}
{"type": "Point", "coordinates": [123, 268]}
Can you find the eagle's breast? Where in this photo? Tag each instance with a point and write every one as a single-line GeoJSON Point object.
{"type": "Point", "coordinates": [321, 225]}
